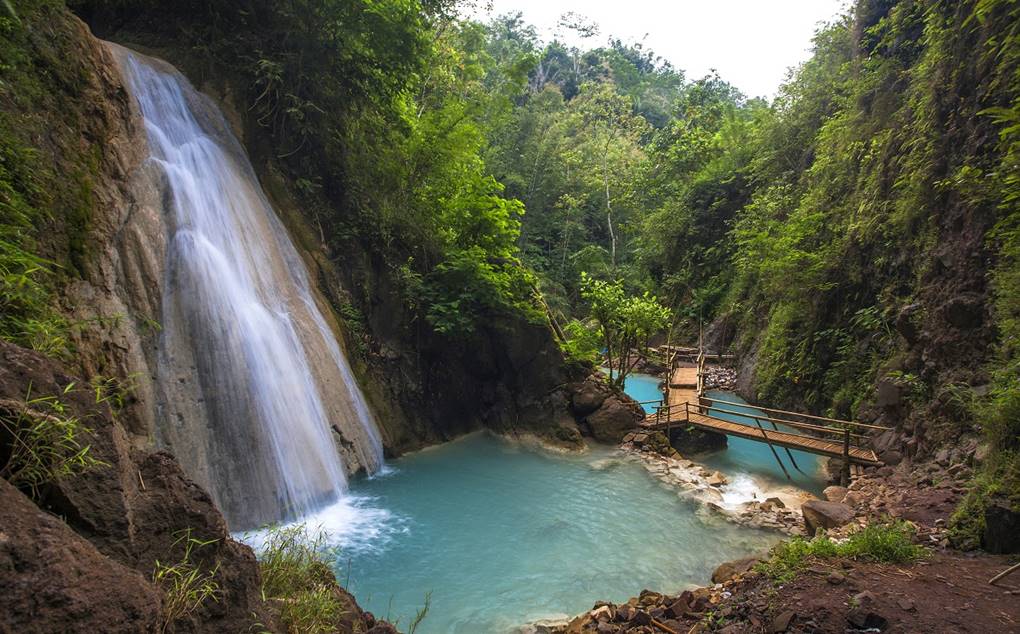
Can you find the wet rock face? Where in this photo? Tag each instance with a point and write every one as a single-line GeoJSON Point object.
{"type": "Point", "coordinates": [53, 580]}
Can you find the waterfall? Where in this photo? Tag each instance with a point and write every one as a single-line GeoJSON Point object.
{"type": "Point", "coordinates": [257, 400]}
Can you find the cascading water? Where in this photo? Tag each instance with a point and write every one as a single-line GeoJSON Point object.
{"type": "Point", "coordinates": [253, 382]}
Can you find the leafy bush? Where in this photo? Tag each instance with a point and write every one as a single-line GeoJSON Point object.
{"type": "Point", "coordinates": [998, 480]}
{"type": "Point", "coordinates": [582, 342]}
{"type": "Point", "coordinates": [624, 322]}
{"type": "Point", "coordinates": [886, 543]}
{"type": "Point", "coordinates": [45, 442]}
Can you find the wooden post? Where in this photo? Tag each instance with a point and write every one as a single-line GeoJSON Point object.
{"type": "Point", "coordinates": [789, 454]}
{"type": "Point", "coordinates": [844, 476]}
{"type": "Point", "coordinates": [774, 454]}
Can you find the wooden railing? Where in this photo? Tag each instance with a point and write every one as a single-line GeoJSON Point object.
{"type": "Point", "coordinates": [839, 431]}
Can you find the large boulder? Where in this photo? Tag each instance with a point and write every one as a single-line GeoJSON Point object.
{"type": "Point", "coordinates": [588, 396]}
{"type": "Point", "coordinates": [834, 493]}
{"type": "Point", "coordinates": [53, 580]}
{"type": "Point", "coordinates": [729, 569]}
{"type": "Point", "coordinates": [1002, 530]}
{"type": "Point", "coordinates": [611, 422]}
{"type": "Point", "coordinates": [825, 515]}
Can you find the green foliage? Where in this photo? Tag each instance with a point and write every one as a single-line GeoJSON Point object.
{"type": "Point", "coordinates": [46, 442]}
{"type": "Point", "coordinates": [26, 315]}
{"type": "Point", "coordinates": [378, 113]}
{"type": "Point", "coordinates": [46, 171]}
{"type": "Point", "coordinates": [297, 574]}
{"type": "Point", "coordinates": [420, 614]}
{"type": "Point", "coordinates": [113, 391]}
{"type": "Point", "coordinates": [185, 585]}
{"type": "Point", "coordinates": [582, 342]}
{"type": "Point", "coordinates": [624, 322]}
{"type": "Point", "coordinates": [887, 543]}
{"type": "Point", "coordinates": [998, 479]}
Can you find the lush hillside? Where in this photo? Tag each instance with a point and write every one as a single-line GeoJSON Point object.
{"type": "Point", "coordinates": [854, 239]}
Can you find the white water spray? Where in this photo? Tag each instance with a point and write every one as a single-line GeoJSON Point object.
{"type": "Point", "coordinates": [257, 399]}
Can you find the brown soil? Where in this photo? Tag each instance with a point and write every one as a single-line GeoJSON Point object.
{"type": "Point", "coordinates": [948, 592]}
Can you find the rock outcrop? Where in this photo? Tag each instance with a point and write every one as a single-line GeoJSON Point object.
{"type": "Point", "coordinates": [53, 580]}
{"type": "Point", "coordinates": [604, 413]}
{"type": "Point", "coordinates": [729, 569]}
{"type": "Point", "coordinates": [822, 514]}
{"type": "Point", "coordinates": [1002, 529]}
{"type": "Point", "coordinates": [137, 507]}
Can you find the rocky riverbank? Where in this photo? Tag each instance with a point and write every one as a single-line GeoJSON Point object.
{"type": "Point", "coordinates": [719, 378]}
{"type": "Point", "coordinates": [772, 509]}
{"type": "Point", "coordinates": [831, 595]}
{"type": "Point", "coordinates": [945, 592]}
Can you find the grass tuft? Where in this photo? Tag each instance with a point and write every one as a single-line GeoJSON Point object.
{"type": "Point", "coordinates": [297, 575]}
{"type": "Point", "coordinates": [45, 442]}
{"type": "Point", "coordinates": [185, 585]}
{"type": "Point", "coordinates": [888, 543]}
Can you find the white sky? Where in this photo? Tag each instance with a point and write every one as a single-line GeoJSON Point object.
{"type": "Point", "coordinates": [751, 43]}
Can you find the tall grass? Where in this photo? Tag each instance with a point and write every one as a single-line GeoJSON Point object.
{"type": "Point", "coordinates": [297, 575]}
{"type": "Point", "coordinates": [185, 585]}
{"type": "Point", "coordinates": [46, 442]}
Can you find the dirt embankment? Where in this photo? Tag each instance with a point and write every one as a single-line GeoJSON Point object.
{"type": "Point", "coordinates": [947, 592]}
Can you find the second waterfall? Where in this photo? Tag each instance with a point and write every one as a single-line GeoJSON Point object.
{"type": "Point", "coordinates": [255, 397]}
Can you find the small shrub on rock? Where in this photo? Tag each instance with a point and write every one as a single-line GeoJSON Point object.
{"type": "Point", "coordinates": [43, 442]}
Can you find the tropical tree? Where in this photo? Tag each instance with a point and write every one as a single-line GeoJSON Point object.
{"type": "Point", "coordinates": [625, 322]}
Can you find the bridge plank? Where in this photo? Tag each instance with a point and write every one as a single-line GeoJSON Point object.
{"type": "Point", "coordinates": [783, 439]}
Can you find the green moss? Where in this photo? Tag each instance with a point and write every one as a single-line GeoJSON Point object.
{"type": "Point", "coordinates": [46, 174]}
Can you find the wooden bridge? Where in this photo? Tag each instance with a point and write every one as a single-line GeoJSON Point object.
{"type": "Point", "coordinates": [700, 416]}
{"type": "Point", "coordinates": [686, 405]}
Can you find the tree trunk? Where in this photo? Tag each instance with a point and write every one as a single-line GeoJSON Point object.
{"type": "Point", "coordinates": [609, 208]}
